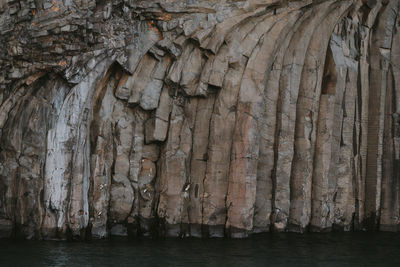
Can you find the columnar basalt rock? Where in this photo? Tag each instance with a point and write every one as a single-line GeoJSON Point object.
{"type": "Point", "coordinates": [198, 118]}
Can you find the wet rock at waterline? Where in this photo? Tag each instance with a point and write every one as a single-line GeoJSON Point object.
{"type": "Point", "coordinates": [198, 118]}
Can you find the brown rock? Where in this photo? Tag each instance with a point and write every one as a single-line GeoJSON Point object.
{"type": "Point", "coordinates": [208, 119]}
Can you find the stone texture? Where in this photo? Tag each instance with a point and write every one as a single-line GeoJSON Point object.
{"type": "Point", "coordinates": [198, 118]}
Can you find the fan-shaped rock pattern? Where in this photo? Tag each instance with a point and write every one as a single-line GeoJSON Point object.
{"type": "Point", "coordinates": [198, 118]}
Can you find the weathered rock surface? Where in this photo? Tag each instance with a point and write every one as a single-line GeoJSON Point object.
{"type": "Point", "coordinates": [199, 118]}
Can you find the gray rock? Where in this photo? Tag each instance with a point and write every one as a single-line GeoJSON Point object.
{"type": "Point", "coordinates": [192, 118]}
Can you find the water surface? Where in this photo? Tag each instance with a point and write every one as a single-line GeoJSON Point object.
{"type": "Point", "coordinates": [287, 249]}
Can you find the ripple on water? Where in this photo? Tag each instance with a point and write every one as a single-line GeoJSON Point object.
{"type": "Point", "coordinates": [286, 249]}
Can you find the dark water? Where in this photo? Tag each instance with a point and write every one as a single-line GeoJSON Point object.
{"type": "Point", "coordinates": [333, 249]}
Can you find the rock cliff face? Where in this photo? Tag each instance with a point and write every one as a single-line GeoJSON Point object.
{"type": "Point", "coordinates": [201, 118]}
